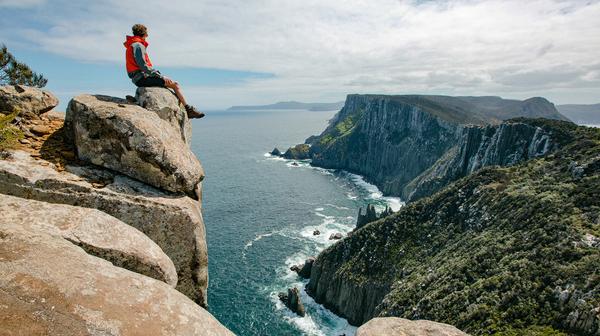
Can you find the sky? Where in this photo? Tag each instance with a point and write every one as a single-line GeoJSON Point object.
{"type": "Point", "coordinates": [247, 52]}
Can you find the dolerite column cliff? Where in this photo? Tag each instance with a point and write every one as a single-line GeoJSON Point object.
{"type": "Point", "coordinates": [108, 240]}
{"type": "Point", "coordinates": [413, 145]}
{"type": "Point", "coordinates": [507, 144]}
{"type": "Point", "coordinates": [388, 141]}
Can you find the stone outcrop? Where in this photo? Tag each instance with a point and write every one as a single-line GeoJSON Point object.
{"type": "Point", "coordinates": [336, 236]}
{"type": "Point", "coordinates": [276, 152]}
{"type": "Point", "coordinates": [504, 145]}
{"type": "Point", "coordinates": [127, 138]}
{"type": "Point", "coordinates": [30, 101]}
{"type": "Point", "coordinates": [166, 105]}
{"type": "Point", "coordinates": [49, 286]}
{"type": "Point", "coordinates": [88, 250]}
{"type": "Point", "coordinates": [292, 301]}
{"type": "Point", "coordinates": [172, 221]}
{"type": "Point", "coordinates": [298, 152]}
{"type": "Point", "coordinates": [304, 270]}
{"type": "Point", "coordinates": [371, 215]}
{"type": "Point", "coordinates": [394, 326]}
{"type": "Point", "coordinates": [96, 232]}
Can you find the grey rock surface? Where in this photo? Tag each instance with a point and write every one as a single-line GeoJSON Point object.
{"type": "Point", "coordinates": [127, 138]}
{"type": "Point", "coordinates": [173, 221]}
{"type": "Point", "coordinates": [506, 144]}
{"type": "Point", "coordinates": [304, 270]}
{"type": "Point", "coordinates": [29, 100]}
{"type": "Point", "coordinates": [298, 152]}
{"type": "Point", "coordinates": [292, 300]}
{"type": "Point", "coordinates": [97, 233]}
{"type": "Point", "coordinates": [166, 105]}
{"type": "Point", "coordinates": [336, 236]}
{"type": "Point", "coordinates": [394, 326]}
{"type": "Point", "coordinates": [357, 303]}
{"type": "Point", "coordinates": [49, 286]}
{"type": "Point", "coordinates": [412, 146]}
{"type": "Point", "coordinates": [389, 142]}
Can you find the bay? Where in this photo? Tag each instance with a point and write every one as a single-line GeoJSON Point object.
{"type": "Point", "coordinates": [260, 213]}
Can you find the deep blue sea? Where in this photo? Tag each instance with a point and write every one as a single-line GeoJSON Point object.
{"type": "Point", "coordinates": [260, 213]}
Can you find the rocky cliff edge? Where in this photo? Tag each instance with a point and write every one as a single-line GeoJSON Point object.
{"type": "Point", "coordinates": [101, 219]}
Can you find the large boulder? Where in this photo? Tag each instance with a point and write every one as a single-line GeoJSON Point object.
{"type": "Point", "coordinates": [304, 270]}
{"type": "Point", "coordinates": [30, 101]}
{"type": "Point", "coordinates": [49, 286]}
{"type": "Point", "coordinates": [166, 105]}
{"type": "Point", "coordinates": [292, 301]}
{"type": "Point", "coordinates": [96, 232]}
{"type": "Point", "coordinates": [173, 221]}
{"type": "Point", "coordinates": [394, 326]}
{"type": "Point", "coordinates": [111, 133]}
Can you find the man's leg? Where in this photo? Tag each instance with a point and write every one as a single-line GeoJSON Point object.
{"type": "Point", "coordinates": [175, 86]}
{"type": "Point", "coordinates": [191, 111]}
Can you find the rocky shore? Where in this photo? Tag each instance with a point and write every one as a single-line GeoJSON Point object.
{"type": "Point", "coordinates": [102, 229]}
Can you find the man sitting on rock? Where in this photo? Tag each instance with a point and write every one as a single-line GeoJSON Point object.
{"type": "Point", "coordinates": [139, 68]}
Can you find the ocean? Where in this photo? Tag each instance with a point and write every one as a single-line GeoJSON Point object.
{"type": "Point", "coordinates": [260, 213]}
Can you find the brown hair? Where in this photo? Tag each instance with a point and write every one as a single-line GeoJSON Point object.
{"type": "Point", "coordinates": [139, 29]}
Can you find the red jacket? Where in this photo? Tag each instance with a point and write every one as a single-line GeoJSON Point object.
{"type": "Point", "coordinates": [130, 62]}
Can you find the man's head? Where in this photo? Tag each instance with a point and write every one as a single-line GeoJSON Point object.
{"type": "Point", "coordinates": [139, 30]}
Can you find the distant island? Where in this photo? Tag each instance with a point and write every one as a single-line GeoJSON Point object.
{"type": "Point", "coordinates": [292, 105]}
{"type": "Point", "coordinates": [581, 114]}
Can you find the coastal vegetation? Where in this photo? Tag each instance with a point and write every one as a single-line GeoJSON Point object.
{"type": "Point", "coordinates": [9, 134]}
{"type": "Point", "coordinates": [508, 250]}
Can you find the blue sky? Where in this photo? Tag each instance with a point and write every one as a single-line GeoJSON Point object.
{"type": "Point", "coordinates": [255, 52]}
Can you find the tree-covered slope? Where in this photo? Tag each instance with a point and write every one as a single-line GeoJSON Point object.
{"type": "Point", "coordinates": [505, 250]}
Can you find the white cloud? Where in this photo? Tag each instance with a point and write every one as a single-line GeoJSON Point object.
{"type": "Point", "coordinates": [325, 49]}
{"type": "Point", "coordinates": [20, 3]}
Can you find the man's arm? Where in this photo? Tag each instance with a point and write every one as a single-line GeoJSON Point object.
{"type": "Point", "coordinates": [139, 54]}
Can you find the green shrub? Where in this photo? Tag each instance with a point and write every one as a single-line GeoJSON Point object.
{"type": "Point", "coordinates": [9, 133]}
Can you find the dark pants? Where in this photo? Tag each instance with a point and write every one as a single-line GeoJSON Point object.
{"type": "Point", "coordinates": [150, 82]}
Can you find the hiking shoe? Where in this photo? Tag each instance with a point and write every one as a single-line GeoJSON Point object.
{"type": "Point", "coordinates": [192, 113]}
{"type": "Point", "coordinates": [131, 99]}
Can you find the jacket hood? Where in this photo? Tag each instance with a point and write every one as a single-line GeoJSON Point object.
{"type": "Point", "coordinates": [129, 40]}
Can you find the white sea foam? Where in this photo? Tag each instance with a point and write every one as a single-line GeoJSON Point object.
{"type": "Point", "coordinates": [394, 202]}
{"type": "Point", "coordinates": [324, 216]}
{"type": "Point", "coordinates": [337, 207]}
{"type": "Point", "coordinates": [257, 238]}
{"type": "Point", "coordinates": [297, 164]}
{"type": "Point", "coordinates": [271, 157]}
{"type": "Point", "coordinates": [375, 194]}
{"type": "Point", "coordinates": [307, 324]}
{"type": "Point", "coordinates": [319, 209]}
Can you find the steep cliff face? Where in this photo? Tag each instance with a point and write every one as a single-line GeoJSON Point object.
{"type": "Point", "coordinates": [394, 140]}
{"type": "Point", "coordinates": [388, 141]}
{"type": "Point", "coordinates": [505, 145]}
{"type": "Point", "coordinates": [102, 229]}
{"type": "Point", "coordinates": [511, 249]}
